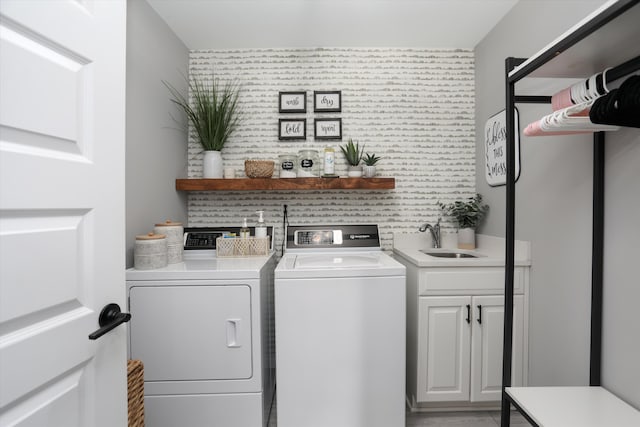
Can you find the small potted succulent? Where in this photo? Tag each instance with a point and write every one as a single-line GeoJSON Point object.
{"type": "Point", "coordinates": [353, 153]}
{"type": "Point", "coordinates": [468, 214]}
{"type": "Point", "coordinates": [369, 168]}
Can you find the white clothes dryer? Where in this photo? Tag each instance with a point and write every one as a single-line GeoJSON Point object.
{"type": "Point", "coordinates": [203, 330]}
{"type": "Point", "coordinates": [340, 330]}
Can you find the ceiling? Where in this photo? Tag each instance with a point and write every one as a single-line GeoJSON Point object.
{"type": "Point", "coordinates": [229, 24]}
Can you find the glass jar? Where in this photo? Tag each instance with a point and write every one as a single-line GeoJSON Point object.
{"type": "Point", "coordinates": [288, 165]}
{"type": "Point", "coordinates": [308, 164]}
{"type": "Point", "coordinates": [329, 161]}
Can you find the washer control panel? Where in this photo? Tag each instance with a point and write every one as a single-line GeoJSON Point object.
{"type": "Point", "coordinates": [333, 236]}
{"type": "Point", "coordinates": [317, 237]}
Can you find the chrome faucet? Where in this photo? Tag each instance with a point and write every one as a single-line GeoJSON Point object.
{"type": "Point", "coordinates": [435, 232]}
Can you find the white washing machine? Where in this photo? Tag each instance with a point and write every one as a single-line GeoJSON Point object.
{"type": "Point", "coordinates": [203, 330]}
{"type": "Point", "coordinates": [340, 330]}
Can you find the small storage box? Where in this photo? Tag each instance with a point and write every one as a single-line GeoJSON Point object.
{"type": "Point", "coordinates": [242, 247]}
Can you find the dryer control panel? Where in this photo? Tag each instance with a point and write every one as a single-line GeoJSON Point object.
{"type": "Point", "coordinates": [204, 238]}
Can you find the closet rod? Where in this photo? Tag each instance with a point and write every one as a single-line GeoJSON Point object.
{"type": "Point", "coordinates": [527, 99]}
{"type": "Point", "coordinates": [623, 69]}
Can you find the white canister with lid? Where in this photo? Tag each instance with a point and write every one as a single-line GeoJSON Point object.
{"type": "Point", "coordinates": [150, 251]}
{"type": "Point", "coordinates": [175, 237]}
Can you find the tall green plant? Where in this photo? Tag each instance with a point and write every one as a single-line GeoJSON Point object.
{"type": "Point", "coordinates": [468, 213]}
{"type": "Point", "coordinates": [214, 111]}
{"type": "Point", "coordinates": [352, 152]}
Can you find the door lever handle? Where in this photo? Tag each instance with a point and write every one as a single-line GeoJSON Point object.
{"type": "Point", "coordinates": [110, 318]}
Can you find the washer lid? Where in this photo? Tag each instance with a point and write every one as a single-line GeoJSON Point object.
{"type": "Point", "coordinates": [337, 264]}
{"type": "Point", "coordinates": [343, 260]}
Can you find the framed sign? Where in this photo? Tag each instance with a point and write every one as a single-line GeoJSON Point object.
{"type": "Point", "coordinates": [292, 129]}
{"type": "Point", "coordinates": [495, 148]}
{"type": "Point", "coordinates": [328, 128]}
{"type": "Point", "coordinates": [327, 101]}
{"type": "Point", "coordinates": [292, 102]}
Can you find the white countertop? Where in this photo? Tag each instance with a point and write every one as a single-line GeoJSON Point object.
{"type": "Point", "coordinates": [490, 251]}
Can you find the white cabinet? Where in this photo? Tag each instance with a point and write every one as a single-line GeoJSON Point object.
{"type": "Point", "coordinates": [454, 335]}
{"type": "Point", "coordinates": [460, 348]}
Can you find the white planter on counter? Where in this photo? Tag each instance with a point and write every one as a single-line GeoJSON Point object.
{"type": "Point", "coordinates": [467, 238]}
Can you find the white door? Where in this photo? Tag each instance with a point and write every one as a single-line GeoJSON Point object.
{"type": "Point", "coordinates": [487, 343]}
{"type": "Point", "coordinates": [444, 348]}
{"type": "Point", "coordinates": [62, 86]}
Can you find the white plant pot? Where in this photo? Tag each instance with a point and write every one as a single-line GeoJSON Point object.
{"type": "Point", "coordinates": [212, 164]}
{"type": "Point", "coordinates": [369, 171]}
{"type": "Point", "coordinates": [466, 238]}
{"type": "Point", "coordinates": [354, 171]}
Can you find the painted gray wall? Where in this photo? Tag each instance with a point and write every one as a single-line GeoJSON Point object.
{"type": "Point", "coordinates": [156, 147]}
{"type": "Point", "coordinates": [553, 211]}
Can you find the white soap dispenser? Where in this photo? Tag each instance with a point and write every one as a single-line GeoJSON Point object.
{"type": "Point", "coordinates": [244, 231]}
{"type": "Point", "coordinates": [261, 227]}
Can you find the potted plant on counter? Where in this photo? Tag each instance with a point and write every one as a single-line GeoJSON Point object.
{"type": "Point", "coordinates": [214, 114]}
{"type": "Point", "coordinates": [369, 168]}
{"type": "Point", "coordinates": [353, 153]}
{"type": "Point", "coordinates": [468, 214]}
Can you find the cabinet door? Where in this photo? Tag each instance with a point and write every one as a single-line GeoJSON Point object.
{"type": "Point", "coordinates": [486, 346]}
{"type": "Point", "coordinates": [443, 349]}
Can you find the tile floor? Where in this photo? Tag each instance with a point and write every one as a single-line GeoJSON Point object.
{"type": "Point", "coordinates": [462, 419]}
{"type": "Point", "coordinates": [447, 419]}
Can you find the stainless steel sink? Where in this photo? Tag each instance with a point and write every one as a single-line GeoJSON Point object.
{"type": "Point", "coordinates": [447, 254]}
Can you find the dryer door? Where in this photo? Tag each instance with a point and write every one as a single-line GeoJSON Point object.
{"type": "Point", "coordinates": [192, 332]}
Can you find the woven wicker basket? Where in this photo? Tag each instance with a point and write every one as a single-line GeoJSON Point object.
{"type": "Point", "coordinates": [258, 168]}
{"type": "Point", "coordinates": [135, 392]}
{"type": "Point", "coordinates": [242, 247]}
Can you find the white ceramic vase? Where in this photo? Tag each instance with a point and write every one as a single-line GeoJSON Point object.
{"type": "Point", "coordinates": [466, 238]}
{"type": "Point", "coordinates": [212, 164]}
{"type": "Point", "coordinates": [354, 171]}
{"type": "Point", "coordinates": [369, 171]}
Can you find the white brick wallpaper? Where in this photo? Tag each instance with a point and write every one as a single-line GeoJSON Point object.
{"type": "Point", "coordinates": [413, 107]}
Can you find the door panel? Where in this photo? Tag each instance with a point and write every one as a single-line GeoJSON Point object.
{"type": "Point", "coordinates": [39, 233]}
{"type": "Point", "coordinates": [443, 374]}
{"type": "Point", "coordinates": [62, 81]}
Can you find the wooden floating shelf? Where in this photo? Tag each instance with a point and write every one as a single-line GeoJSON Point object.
{"type": "Point", "coordinates": [251, 184]}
